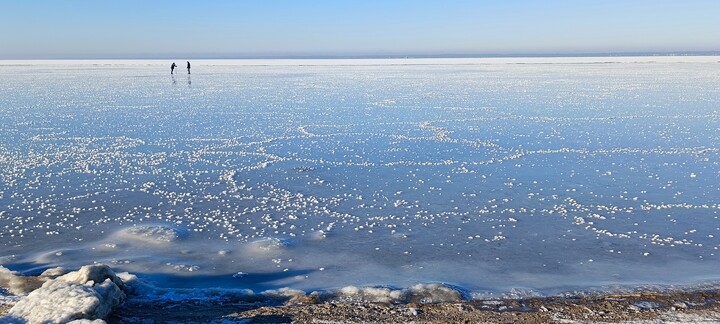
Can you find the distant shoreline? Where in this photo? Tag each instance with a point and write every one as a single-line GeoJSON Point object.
{"type": "Point", "coordinates": [711, 59]}
{"type": "Point", "coordinates": [369, 56]}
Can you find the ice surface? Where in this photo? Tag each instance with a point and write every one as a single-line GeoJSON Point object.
{"type": "Point", "coordinates": [500, 176]}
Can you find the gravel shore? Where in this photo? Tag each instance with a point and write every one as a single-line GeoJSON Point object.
{"type": "Point", "coordinates": [683, 307]}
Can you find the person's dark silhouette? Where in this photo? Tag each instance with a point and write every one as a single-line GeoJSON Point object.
{"type": "Point", "coordinates": [172, 68]}
{"type": "Point", "coordinates": [188, 67]}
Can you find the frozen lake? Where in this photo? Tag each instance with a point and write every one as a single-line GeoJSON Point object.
{"type": "Point", "coordinates": [498, 176]}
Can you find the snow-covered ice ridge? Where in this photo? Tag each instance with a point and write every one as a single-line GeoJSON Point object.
{"type": "Point", "coordinates": [486, 174]}
{"type": "Point", "coordinates": [92, 292]}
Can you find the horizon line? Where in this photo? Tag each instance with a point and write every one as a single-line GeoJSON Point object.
{"type": "Point", "coordinates": [374, 56]}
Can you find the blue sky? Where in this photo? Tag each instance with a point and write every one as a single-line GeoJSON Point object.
{"type": "Point", "coordinates": [195, 29]}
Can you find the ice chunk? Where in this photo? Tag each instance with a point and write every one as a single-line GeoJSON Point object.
{"type": "Point", "coordinates": [420, 293]}
{"type": "Point", "coordinates": [53, 272]}
{"type": "Point", "coordinates": [91, 274]}
{"type": "Point", "coordinates": [433, 293]}
{"type": "Point", "coordinates": [87, 294]}
{"type": "Point", "coordinates": [153, 234]}
{"type": "Point", "coordinates": [370, 294]}
{"type": "Point", "coordinates": [267, 247]}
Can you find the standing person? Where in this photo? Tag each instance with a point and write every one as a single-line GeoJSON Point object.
{"type": "Point", "coordinates": [188, 67]}
{"type": "Point", "coordinates": [172, 68]}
